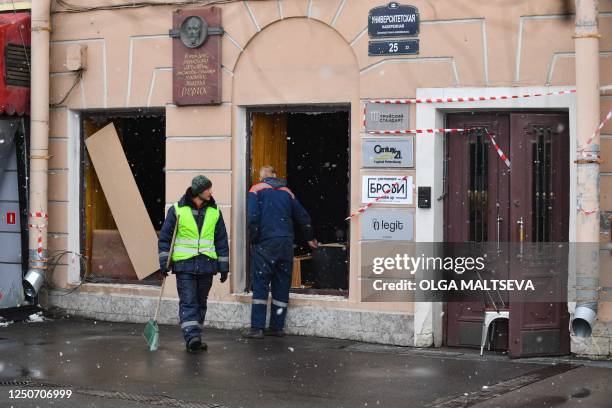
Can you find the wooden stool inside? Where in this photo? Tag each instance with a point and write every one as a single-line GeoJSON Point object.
{"type": "Point", "coordinates": [296, 274]}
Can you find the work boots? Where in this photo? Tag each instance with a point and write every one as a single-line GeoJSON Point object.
{"type": "Point", "coordinates": [196, 344]}
{"type": "Point", "coordinates": [270, 331]}
{"type": "Point", "coordinates": [253, 334]}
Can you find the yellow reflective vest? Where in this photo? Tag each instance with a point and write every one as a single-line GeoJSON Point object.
{"type": "Point", "coordinates": [188, 242]}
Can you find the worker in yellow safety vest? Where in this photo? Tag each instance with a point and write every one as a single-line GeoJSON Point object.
{"type": "Point", "coordinates": [200, 251]}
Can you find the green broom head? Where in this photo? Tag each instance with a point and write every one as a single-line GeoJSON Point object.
{"type": "Point", "coordinates": [151, 334]}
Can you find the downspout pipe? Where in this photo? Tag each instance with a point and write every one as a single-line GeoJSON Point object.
{"type": "Point", "coordinates": [586, 40]}
{"type": "Point", "coordinates": [39, 148]}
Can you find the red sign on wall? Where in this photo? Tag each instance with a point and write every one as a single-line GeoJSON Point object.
{"type": "Point", "coordinates": [196, 56]}
{"type": "Point", "coordinates": [11, 218]}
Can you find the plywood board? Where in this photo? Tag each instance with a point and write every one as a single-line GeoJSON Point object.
{"type": "Point", "coordinates": [124, 199]}
{"type": "Point", "coordinates": [269, 138]}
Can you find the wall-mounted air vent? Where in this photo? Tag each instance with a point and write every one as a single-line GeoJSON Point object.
{"type": "Point", "coordinates": [16, 62]}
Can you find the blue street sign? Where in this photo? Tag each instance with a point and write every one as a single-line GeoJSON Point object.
{"type": "Point", "coordinates": [393, 47]}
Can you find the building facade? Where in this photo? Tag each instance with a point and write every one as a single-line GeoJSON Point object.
{"type": "Point", "coordinates": [283, 64]}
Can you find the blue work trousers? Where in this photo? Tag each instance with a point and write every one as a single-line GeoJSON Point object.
{"type": "Point", "coordinates": [271, 266]}
{"type": "Point", "coordinates": [193, 291]}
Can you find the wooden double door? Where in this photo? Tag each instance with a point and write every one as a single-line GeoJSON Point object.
{"type": "Point", "coordinates": [489, 202]}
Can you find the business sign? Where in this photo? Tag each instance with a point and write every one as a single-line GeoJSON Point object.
{"type": "Point", "coordinates": [393, 47]}
{"type": "Point", "coordinates": [393, 188]}
{"type": "Point", "coordinates": [388, 152]}
{"type": "Point", "coordinates": [383, 116]}
{"type": "Point", "coordinates": [387, 224]}
{"type": "Point", "coordinates": [393, 20]}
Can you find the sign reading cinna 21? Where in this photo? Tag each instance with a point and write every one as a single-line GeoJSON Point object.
{"type": "Point", "coordinates": [394, 19]}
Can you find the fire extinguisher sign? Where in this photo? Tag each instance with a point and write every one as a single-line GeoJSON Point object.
{"type": "Point", "coordinates": [9, 218]}
{"type": "Point", "coordinates": [387, 189]}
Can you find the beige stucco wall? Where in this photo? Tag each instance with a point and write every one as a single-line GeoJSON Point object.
{"type": "Point", "coordinates": [301, 52]}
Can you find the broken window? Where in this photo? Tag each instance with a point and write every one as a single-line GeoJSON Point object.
{"type": "Point", "coordinates": [142, 137]}
{"type": "Point", "coordinates": [310, 149]}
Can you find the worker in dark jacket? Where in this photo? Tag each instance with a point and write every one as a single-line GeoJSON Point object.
{"type": "Point", "coordinates": [200, 251]}
{"type": "Point", "coordinates": [272, 208]}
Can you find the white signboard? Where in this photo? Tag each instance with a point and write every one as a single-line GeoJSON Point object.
{"type": "Point", "coordinates": [394, 189]}
{"type": "Point", "coordinates": [387, 224]}
{"type": "Point", "coordinates": [387, 152]}
{"type": "Point", "coordinates": [382, 116]}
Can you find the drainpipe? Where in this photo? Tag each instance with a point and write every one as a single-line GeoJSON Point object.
{"type": "Point", "coordinates": [39, 147]}
{"type": "Point", "coordinates": [587, 221]}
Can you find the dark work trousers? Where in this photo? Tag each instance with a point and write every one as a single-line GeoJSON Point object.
{"type": "Point", "coordinates": [193, 291]}
{"type": "Point", "coordinates": [272, 263]}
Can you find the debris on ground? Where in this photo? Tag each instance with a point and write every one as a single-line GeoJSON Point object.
{"type": "Point", "coordinates": [35, 318]}
{"type": "Point", "coordinates": [5, 323]}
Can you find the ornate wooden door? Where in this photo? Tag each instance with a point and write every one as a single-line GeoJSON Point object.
{"type": "Point", "coordinates": [486, 202]}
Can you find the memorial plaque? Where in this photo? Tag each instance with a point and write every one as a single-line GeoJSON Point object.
{"type": "Point", "coordinates": [398, 191]}
{"type": "Point", "coordinates": [388, 152]}
{"type": "Point", "coordinates": [386, 117]}
{"type": "Point", "coordinates": [196, 56]}
{"type": "Point", "coordinates": [387, 224]}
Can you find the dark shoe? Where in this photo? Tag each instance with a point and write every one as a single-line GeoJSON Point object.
{"type": "Point", "coordinates": [253, 334]}
{"type": "Point", "coordinates": [274, 332]}
{"type": "Point", "coordinates": [194, 344]}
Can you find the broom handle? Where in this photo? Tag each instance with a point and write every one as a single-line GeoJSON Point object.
{"type": "Point", "coordinates": [167, 266]}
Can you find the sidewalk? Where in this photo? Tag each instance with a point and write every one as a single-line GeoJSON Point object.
{"type": "Point", "coordinates": [109, 365]}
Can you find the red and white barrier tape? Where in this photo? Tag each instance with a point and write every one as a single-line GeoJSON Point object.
{"type": "Point", "coordinates": [585, 212]}
{"type": "Point", "coordinates": [601, 125]}
{"type": "Point", "coordinates": [469, 98]}
{"type": "Point", "coordinates": [499, 151]}
{"type": "Point", "coordinates": [415, 131]}
{"type": "Point", "coordinates": [380, 197]}
{"type": "Point", "coordinates": [39, 250]}
{"type": "Point", "coordinates": [39, 227]}
{"type": "Point", "coordinates": [443, 130]}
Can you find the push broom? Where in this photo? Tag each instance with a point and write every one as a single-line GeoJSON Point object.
{"type": "Point", "coordinates": [151, 330]}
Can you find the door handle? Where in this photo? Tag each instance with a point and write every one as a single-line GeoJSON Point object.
{"type": "Point", "coordinates": [499, 221]}
{"type": "Point", "coordinates": [521, 225]}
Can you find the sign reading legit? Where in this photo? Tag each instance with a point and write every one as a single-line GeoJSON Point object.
{"type": "Point", "coordinates": [196, 56]}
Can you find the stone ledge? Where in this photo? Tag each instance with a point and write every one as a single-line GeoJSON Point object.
{"type": "Point", "coordinates": [368, 326]}
{"type": "Point", "coordinates": [598, 346]}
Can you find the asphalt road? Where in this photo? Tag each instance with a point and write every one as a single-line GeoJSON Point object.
{"type": "Point", "coordinates": [109, 365]}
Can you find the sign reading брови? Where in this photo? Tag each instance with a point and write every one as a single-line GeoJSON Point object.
{"type": "Point", "coordinates": [196, 56]}
{"type": "Point", "coordinates": [387, 189]}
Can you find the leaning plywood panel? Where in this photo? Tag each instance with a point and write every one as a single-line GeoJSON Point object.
{"type": "Point", "coordinates": [124, 200]}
